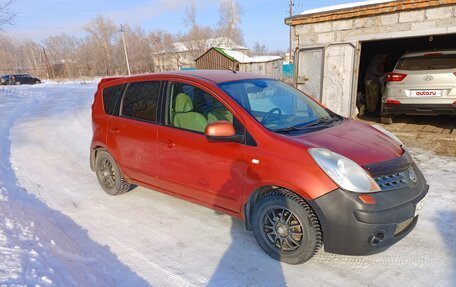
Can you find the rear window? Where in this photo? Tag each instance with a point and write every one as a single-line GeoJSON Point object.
{"type": "Point", "coordinates": [110, 97]}
{"type": "Point", "coordinates": [431, 62]}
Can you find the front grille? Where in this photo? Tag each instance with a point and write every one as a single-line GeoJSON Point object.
{"type": "Point", "coordinates": [393, 181]}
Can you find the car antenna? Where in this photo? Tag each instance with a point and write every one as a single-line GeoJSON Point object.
{"type": "Point", "coordinates": [231, 69]}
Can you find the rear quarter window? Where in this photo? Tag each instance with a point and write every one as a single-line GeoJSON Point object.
{"type": "Point", "coordinates": [432, 62]}
{"type": "Point", "coordinates": [141, 101]}
{"type": "Point", "coordinates": [111, 96]}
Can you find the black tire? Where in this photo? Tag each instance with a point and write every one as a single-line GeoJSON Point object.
{"type": "Point", "coordinates": [281, 238]}
{"type": "Point", "coordinates": [109, 175]}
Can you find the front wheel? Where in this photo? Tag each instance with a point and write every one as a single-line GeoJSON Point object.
{"type": "Point", "coordinates": [286, 227]}
{"type": "Point", "coordinates": [108, 174]}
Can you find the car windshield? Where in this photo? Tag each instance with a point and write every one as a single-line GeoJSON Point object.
{"type": "Point", "coordinates": [279, 107]}
{"type": "Point", "coordinates": [433, 61]}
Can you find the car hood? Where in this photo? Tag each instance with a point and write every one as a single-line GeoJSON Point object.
{"type": "Point", "coordinates": [355, 140]}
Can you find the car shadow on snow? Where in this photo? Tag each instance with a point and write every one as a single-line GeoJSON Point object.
{"type": "Point", "coordinates": [244, 263]}
{"type": "Point", "coordinates": [445, 225]}
{"type": "Point", "coordinates": [47, 245]}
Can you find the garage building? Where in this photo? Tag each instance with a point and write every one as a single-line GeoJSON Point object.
{"type": "Point", "coordinates": [334, 45]}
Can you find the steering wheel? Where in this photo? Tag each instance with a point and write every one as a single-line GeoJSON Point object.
{"type": "Point", "coordinates": [268, 115]}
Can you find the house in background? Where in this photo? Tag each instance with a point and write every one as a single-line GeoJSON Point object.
{"type": "Point", "coordinates": [218, 58]}
{"type": "Point", "coordinates": [181, 55]}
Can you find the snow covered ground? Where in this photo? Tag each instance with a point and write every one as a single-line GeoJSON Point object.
{"type": "Point", "coordinates": [58, 228]}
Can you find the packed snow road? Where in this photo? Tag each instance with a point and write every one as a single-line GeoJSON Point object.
{"type": "Point", "coordinates": [58, 228]}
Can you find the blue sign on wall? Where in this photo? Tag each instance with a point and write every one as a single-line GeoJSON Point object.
{"type": "Point", "coordinates": [288, 70]}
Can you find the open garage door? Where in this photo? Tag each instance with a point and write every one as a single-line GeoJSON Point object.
{"type": "Point", "coordinates": [338, 78]}
{"type": "Point", "coordinates": [310, 69]}
{"type": "Point", "coordinates": [394, 49]}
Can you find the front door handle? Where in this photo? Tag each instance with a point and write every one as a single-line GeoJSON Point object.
{"type": "Point", "coordinates": [114, 130]}
{"type": "Point", "coordinates": [169, 143]}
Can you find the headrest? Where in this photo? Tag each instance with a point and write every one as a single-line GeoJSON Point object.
{"type": "Point", "coordinates": [183, 104]}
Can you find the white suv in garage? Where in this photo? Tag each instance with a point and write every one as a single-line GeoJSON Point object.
{"type": "Point", "coordinates": [422, 83]}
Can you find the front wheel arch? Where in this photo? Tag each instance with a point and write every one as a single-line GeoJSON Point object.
{"type": "Point", "coordinates": [260, 193]}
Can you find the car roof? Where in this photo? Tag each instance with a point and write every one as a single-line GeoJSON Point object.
{"type": "Point", "coordinates": [216, 76]}
{"type": "Point", "coordinates": [422, 53]}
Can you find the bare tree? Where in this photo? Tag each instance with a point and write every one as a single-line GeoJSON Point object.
{"type": "Point", "coordinates": [196, 39]}
{"type": "Point", "coordinates": [259, 49]}
{"type": "Point", "coordinates": [103, 33]}
{"type": "Point", "coordinates": [6, 14]}
{"type": "Point", "coordinates": [229, 21]}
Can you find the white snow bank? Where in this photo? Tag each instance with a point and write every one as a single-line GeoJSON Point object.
{"type": "Point", "coordinates": [344, 6]}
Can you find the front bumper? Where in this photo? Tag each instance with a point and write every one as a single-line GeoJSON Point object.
{"type": "Point", "coordinates": [352, 227]}
{"type": "Point", "coordinates": [419, 109]}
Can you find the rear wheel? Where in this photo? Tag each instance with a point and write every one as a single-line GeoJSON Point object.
{"type": "Point", "coordinates": [286, 227]}
{"type": "Point", "coordinates": [108, 174]}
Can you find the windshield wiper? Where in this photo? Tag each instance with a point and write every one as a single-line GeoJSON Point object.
{"type": "Point", "coordinates": [287, 129]}
{"type": "Point", "coordinates": [325, 120]}
{"type": "Point", "coordinates": [315, 124]}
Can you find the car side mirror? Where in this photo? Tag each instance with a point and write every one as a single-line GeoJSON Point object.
{"type": "Point", "coordinates": [222, 131]}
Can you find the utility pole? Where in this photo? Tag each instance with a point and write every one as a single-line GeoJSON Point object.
{"type": "Point", "coordinates": [291, 32]}
{"type": "Point", "coordinates": [122, 31]}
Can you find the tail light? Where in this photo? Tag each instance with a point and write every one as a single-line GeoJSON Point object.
{"type": "Point", "coordinates": [395, 77]}
{"type": "Point", "coordinates": [393, 102]}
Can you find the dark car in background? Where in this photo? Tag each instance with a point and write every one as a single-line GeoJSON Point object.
{"type": "Point", "coordinates": [4, 79]}
{"type": "Point", "coordinates": [19, 79]}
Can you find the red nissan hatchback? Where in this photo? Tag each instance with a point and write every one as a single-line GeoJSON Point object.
{"type": "Point", "coordinates": [298, 175]}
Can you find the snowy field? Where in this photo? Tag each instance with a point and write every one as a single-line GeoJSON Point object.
{"type": "Point", "coordinates": [58, 228]}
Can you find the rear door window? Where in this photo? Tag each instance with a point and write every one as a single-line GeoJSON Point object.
{"type": "Point", "coordinates": [141, 101]}
{"type": "Point", "coordinates": [110, 97]}
{"type": "Point", "coordinates": [431, 62]}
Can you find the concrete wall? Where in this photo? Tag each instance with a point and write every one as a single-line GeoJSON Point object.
{"type": "Point", "coordinates": [440, 20]}
{"type": "Point", "coordinates": [340, 62]}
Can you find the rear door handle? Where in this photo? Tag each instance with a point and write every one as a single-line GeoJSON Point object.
{"type": "Point", "coordinates": [169, 143]}
{"type": "Point", "coordinates": [114, 130]}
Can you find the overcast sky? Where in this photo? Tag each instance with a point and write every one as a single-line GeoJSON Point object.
{"type": "Point", "coordinates": [262, 21]}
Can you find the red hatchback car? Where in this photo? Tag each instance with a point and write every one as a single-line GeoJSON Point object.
{"type": "Point", "coordinates": [296, 173]}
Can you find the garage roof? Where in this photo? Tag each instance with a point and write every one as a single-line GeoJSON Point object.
{"type": "Point", "coordinates": [362, 9]}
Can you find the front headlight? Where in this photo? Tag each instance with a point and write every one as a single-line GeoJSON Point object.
{"type": "Point", "coordinates": [343, 171]}
{"type": "Point", "coordinates": [390, 135]}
